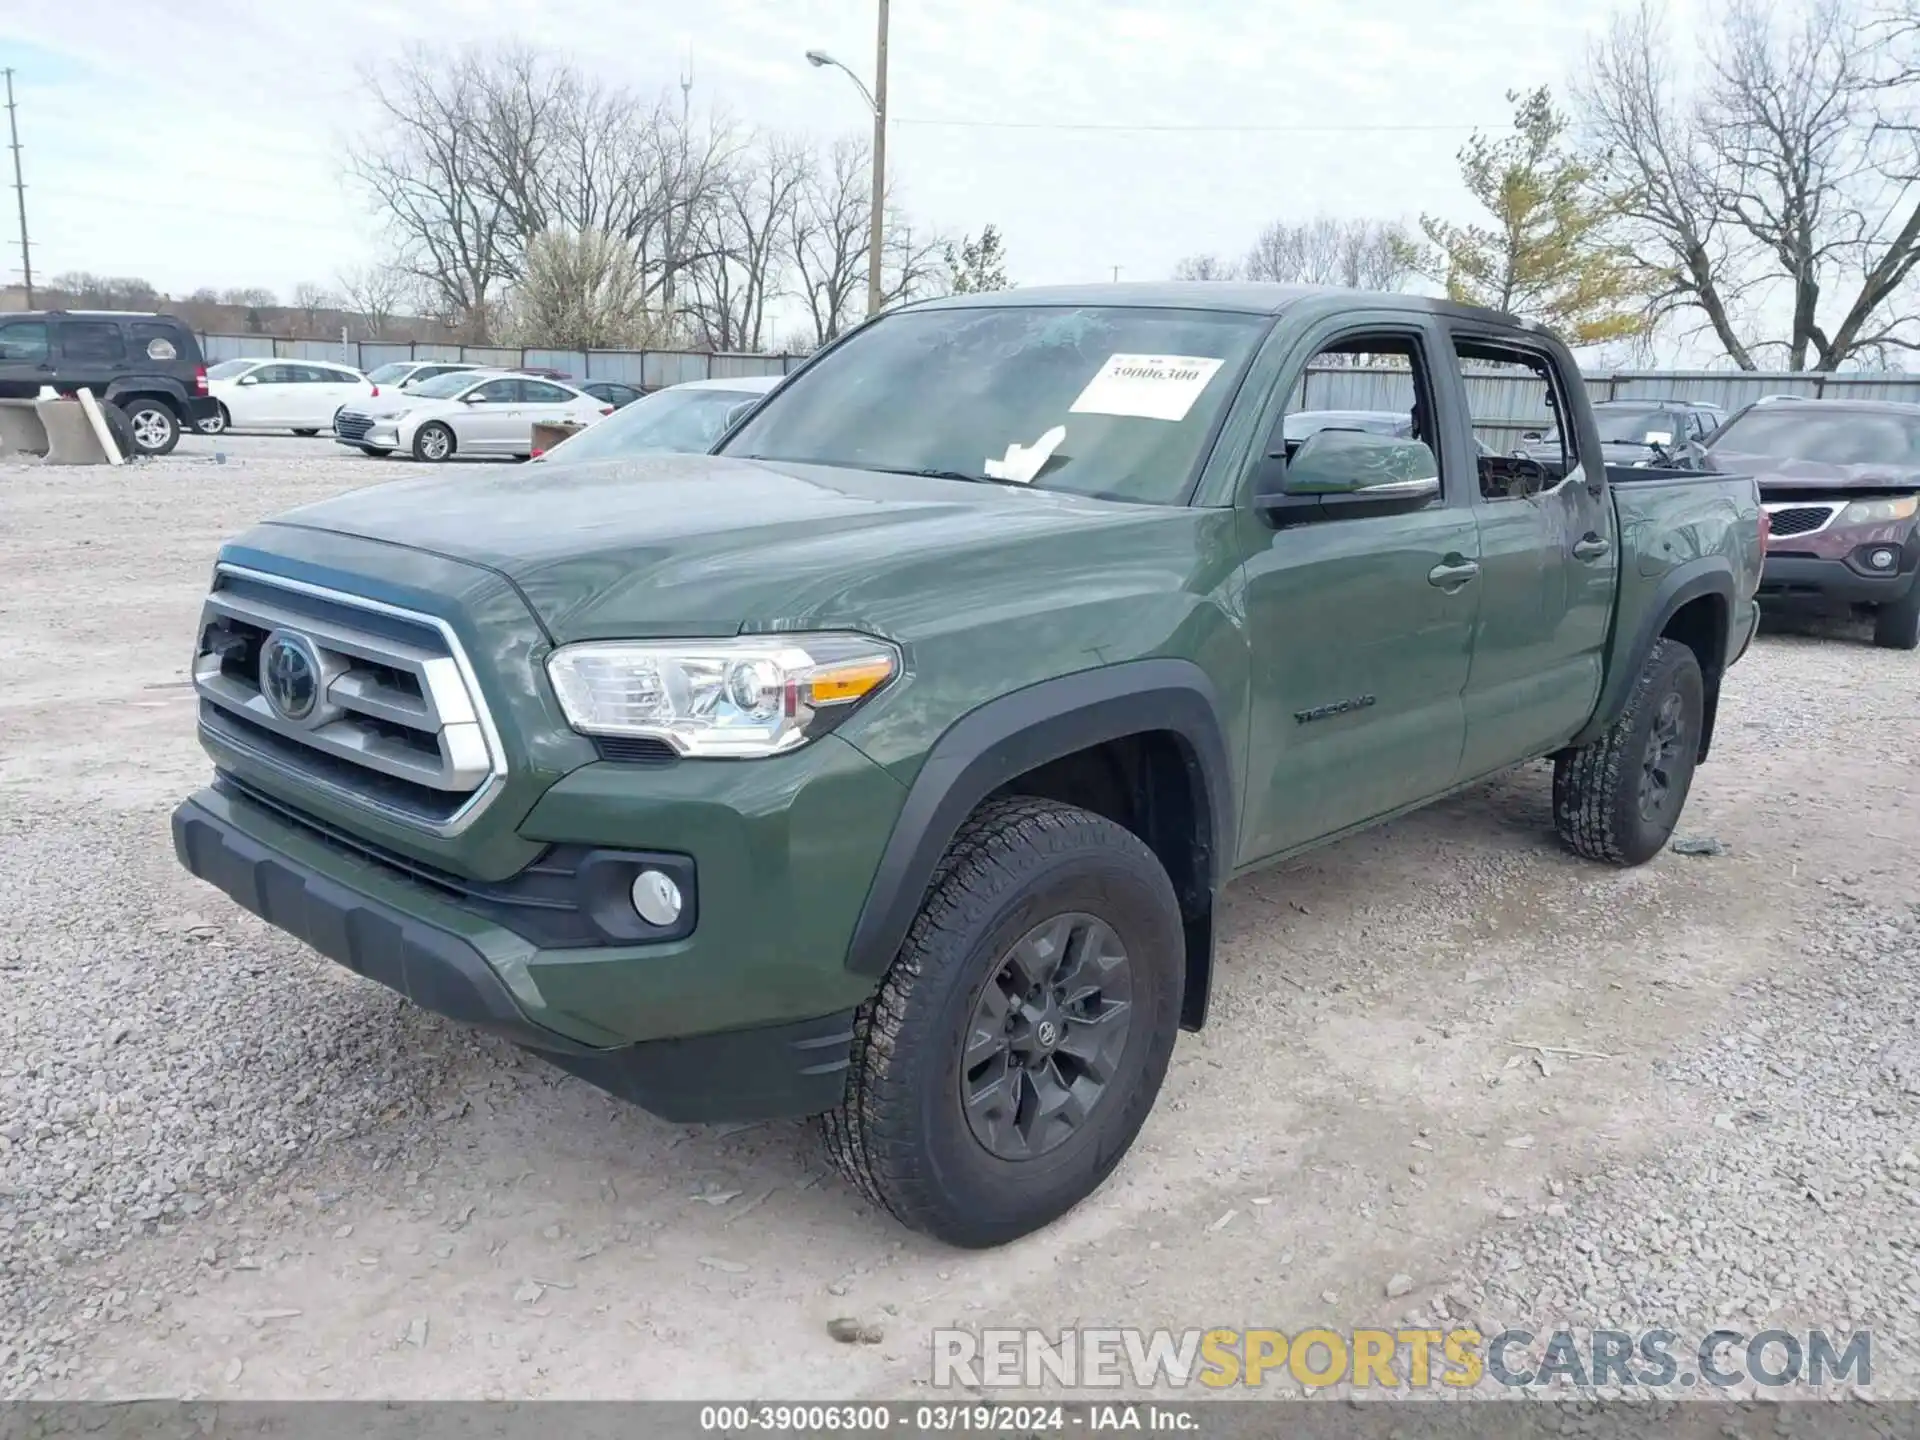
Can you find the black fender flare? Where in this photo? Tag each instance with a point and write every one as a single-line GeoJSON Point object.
{"type": "Point", "coordinates": [162, 386]}
{"type": "Point", "coordinates": [1017, 732]}
{"type": "Point", "coordinates": [1708, 575]}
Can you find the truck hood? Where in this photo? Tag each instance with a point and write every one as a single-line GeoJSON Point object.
{"type": "Point", "coordinates": [703, 545]}
{"type": "Point", "coordinates": [1803, 476]}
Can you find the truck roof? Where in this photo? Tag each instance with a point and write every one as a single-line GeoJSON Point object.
{"type": "Point", "coordinates": [1241, 297]}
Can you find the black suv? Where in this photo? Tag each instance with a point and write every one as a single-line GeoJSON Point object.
{"type": "Point", "coordinates": [148, 365]}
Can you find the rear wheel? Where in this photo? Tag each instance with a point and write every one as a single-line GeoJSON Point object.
{"type": "Point", "coordinates": [1897, 626]}
{"type": "Point", "coordinates": [305, 434]}
{"type": "Point", "coordinates": [433, 442]}
{"type": "Point", "coordinates": [1618, 798]}
{"type": "Point", "coordinates": [1023, 1032]}
{"type": "Point", "coordinates": [155, 428]}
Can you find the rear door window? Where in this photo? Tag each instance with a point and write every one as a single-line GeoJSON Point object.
{"type": "Point", "coordinates": [538, 392]}
{"type": "Point", "coordinates": [92, 342]}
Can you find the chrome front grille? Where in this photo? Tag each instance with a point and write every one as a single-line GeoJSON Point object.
{"type": "Point", "coordinates": [352, 425]}
{"type": "Point", "coordinates": [1794, 517]}
{"type": "Point", "coordinates": [359, 698]}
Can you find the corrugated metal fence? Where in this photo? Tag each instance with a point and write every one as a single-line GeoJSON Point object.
{"type": "Point", "coordinates": [1504, 402]}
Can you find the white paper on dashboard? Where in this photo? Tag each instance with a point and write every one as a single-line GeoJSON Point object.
{"type": "Point", "coordinates": [1152, 387]}
{"type": "Point", "coordinates": [1022, 462]}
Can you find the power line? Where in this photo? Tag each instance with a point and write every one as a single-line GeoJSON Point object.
{"type": "Point", "coordinates": [1195, 129]}
{"type": "Point", "coordinates": [19, 192]}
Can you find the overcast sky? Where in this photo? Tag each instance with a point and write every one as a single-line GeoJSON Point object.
{"type": "Point", "coordinates": [199, 142]}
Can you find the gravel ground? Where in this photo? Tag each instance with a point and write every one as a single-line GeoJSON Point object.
{"type": "Point", "coordinates": [228, 1168]}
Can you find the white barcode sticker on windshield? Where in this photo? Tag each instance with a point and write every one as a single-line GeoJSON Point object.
{"type": "Point", "coordinates": [1153, 387]}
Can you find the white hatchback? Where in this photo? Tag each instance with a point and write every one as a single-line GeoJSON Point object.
{"type": "Point", "coordinates": [296, 395]}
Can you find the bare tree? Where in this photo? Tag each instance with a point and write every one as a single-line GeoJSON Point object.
{"type": "Point", "coordinates": [205, 295]}
{"type": "Point", "coordinates": [1359, 254]}
{"type": "Point", "coordinates": [313, 300]}
{"type": "Point", "coordinates": [428, 170]}
{"type": "Point", "coordinates": [105, 292]}
{"type": "Point", "coordinates": [742, 249]}
{"type": "Point", "coordinates": [580, 291]}
{"type": "Point", "coordinates": [375, 293]}
{"type": "Point", "coordinates": [1205, 267]}
{"type": "Point", "coordinates": [250, 297]}
{"type": "Point", "coordinates": [1788, 185]}
{"type": "Point", "coordinates": [829, 244]}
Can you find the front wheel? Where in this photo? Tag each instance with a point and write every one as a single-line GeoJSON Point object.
{"type": "Point", "coordinates": [1897, 626]}
{"type": "Point", "coordinates": [1618, 798]}
{"type": "Point", "coordinates": [216, 423]}
{"type": "Point", "coordinates": [433, 442]}
{"type": "Point", "coordinates": [155, 428]}
{"type": "Point", "coordinates": [1023, 1031]}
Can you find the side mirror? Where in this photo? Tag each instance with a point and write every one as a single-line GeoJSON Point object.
{"type": "Point", "coordinates": [475, 399]}
{"type": "Point", "coordinates": [738, 413]}
{"type": "Point", "coordinates": [249, 379]}
{"type": "Point", "coordinates": [1347, 472]}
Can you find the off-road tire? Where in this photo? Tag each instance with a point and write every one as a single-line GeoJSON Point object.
{"type": "Point", "coordinates": [121, 429]}
{"type": "Point", "coordinates": [146, 415]}
{"type": "Point", "coordinates": [1896, 626]}
{"type": "Point", "coordinates": [1596, 788]}
{"type": "Point", "coordinates": [899, 1134]}
{"type": "Point", "coordinates": [420, 442]}
{"type": "Point", "coordinates": [305, 434]}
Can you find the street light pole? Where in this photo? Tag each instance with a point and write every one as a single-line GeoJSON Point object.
{"type": "Point", "coordinates": [877, 221]}
{"type": "Point", "coordinates": [876, 99]}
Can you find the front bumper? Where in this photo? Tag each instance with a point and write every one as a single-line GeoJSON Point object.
{"type": "Point", "coordinates": [445, 957]}
{"type": "Point", "coordinates": [1814, 582]}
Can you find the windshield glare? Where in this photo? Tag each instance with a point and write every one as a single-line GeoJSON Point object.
{"type": "Point", "coordinates": [685, 422]}
{"type": "Point", "coordinates": [1102, 400]}
{"type": "Point", "coordinates": [1835, 436]}
{"type": "Point", "coordinates": [227, 369]}
{"type": "Point", "coordinates": [444, 387]}
{"type": "Point", "coordinates": [390, 374]}
{"type": "Point", "coordinates": [1621, 426]}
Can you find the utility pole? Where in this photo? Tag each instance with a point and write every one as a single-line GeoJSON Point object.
{"type": "Point", "coordinates": [877, 222]}
{"type": "Point", "coordinates": [20, 189]}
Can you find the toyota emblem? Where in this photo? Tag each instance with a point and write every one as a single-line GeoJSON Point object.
{"type": "Point", "coordinates": [290, 675]}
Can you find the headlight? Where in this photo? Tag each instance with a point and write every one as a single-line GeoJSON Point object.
{"type": "Point", "coordinates": [1879, 512]}
{"type": "Point", "coordinates": [750, 696]}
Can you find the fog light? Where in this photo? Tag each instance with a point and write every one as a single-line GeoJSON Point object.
{"type": "Point", "coordinates": [1883, 559]}
{"type": "Point", "coordinates": [656, 898]}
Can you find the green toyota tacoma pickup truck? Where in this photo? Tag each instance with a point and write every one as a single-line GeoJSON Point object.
{"type": "Point", "coordinates": [888, 763]}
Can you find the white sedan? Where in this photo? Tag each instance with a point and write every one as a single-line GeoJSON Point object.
{"type": "Point", "coordinates": [470, 413]}
{"type": "Point", "coordinates": [296, 395]}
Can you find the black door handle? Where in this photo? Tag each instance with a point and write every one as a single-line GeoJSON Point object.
{"type": "Point", "coordinates": [1590, 547]}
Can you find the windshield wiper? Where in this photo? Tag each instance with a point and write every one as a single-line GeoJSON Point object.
{"type": "Point", "coordinates": [938, 474]}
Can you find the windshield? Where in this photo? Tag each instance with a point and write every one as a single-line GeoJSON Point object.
{"type": "Point", "coordinates": [227, 369]}
{"type": "Point", "coordinates": [1629, 425]}
{"type": "Point", "coordinates": [391, 374]}
{"type": "Point", "coordinates": [1110, 401]}
{"type": "Point", "coordinates": [444, 387]}
{"type": "Point", "coordinates": [1836, 436]}
{"type": "Point", "coordinates": [685, 422]}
